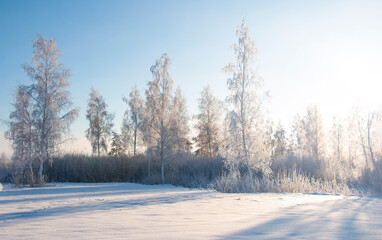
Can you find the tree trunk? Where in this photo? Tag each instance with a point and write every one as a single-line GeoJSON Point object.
{"type": "Point", "coordinates": [31, 183]}
{"type": "Point", "coordinates": [135, 140]}
{"type": "Point", "coordinates": [161, 152]}
{"type": "Point", "coordinates": [148, 169]}
{"type": "Point", "coordinates": [369, 140]}
{"type": "Point", "coordinates": [246, 154]}
{"type": "Point", "coordinates": [41, 180]}
{"type": "Point", "coordinates": [98, 149]}
{"type": "Point", "coordinates": [247, 159]}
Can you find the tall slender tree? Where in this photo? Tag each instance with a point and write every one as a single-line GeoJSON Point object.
{"type": "Point", "coordinates": [51, 104]}
{"type": "Point", "coordinates": [365, 125]}
{"type": "Point", "coordinates": [100, 122]}
{"type": "Point", "coordinates": [336, 162]}
{"type": "Point", "coordinates": [22, 131]}
{"type": "Point", "coordinates": [157, 112]}
{"type": "Point", "coordinates": [208, 124]}
{"type": "Point", "coordinates": [132, 122]}
{"type": "Point", "coordinates": [179, 124]}
{"type": "Point", "coordinates": [245, 143]}
{"type": "Point", "coordinates": [315, 134]}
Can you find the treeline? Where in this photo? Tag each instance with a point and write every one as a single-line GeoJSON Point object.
{"type": "Point", "coordinates": [234, 146]}
{"type": "Point", "coordinates": [189, 172]}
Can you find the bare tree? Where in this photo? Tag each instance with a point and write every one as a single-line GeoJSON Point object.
{"type": "Point", "coordinates": [245, 115]}
{"type": "Point", "coordinates": [366, 134]}
{"type": "Point", "coordinates": [336, 163]}
{"type": "Point", "coordinates": [208, 124]}
{"type": "Point", "coordinates": [100, 122]}
{"type": "Point", "coordinates": [157, 112]}
{"type": "Point", "coordinates": [132, 122]}
{"type": "Point", "coordinates": [51, 104]}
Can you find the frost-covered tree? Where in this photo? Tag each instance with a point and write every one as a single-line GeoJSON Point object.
{"type": "Point", "coordinates": [208, 125]}
{"type": "Point", "coordinates": [179, 124]}
{"type": "Point", "coordinates": [365, 124]}
{"type": "Point", "coordinates": [297, 138]}
{"type": "Point", "coordinates": [22, 132]}
{"type": "Point", "coordinates": [157, 112]}
{"type": "Point", "coordinates": [309, 134]}
{"type": "Point", "coordinates": [100, 122]}
{"type": "Point", "coordinates": [117, 148]}
{"type": "Point", "coordinates": [354, 153]}
{"type": "Point", "coordinates": [315, 134]}
{"type": "Point", "coordinates": [338, 165]}
{"type": "Point", "coordinates": [132, 122]}
{"type": "Point", "coordinates": [245, 138]}
{"type": "Point", "coordinates": [279, 142]}
{"type": "Point", "coordinates": [337, 138]}
{"type": "Point", "coordinates": [52, 111]}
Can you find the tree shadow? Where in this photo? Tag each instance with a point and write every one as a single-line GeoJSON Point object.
{"type": "Point", "coordinates": [59, 192]}
{"type": "Point", "coordinates": [61, 195]}
{"type": "Point", "coordinates": [339, 220]}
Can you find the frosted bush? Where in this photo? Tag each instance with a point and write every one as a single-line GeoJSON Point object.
{"type": "Point", "coordinates": [288, 181]}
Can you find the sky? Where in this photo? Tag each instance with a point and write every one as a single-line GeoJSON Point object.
{"type": "Point", "coordinates": [324, 53]}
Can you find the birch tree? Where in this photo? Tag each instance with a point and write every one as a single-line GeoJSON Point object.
{"type": "Point", "coordinates": [208, 124]}
{"type": "Point", "coordinates": [179, 124]}
{"type": "Point", "coordinates": [157, 112]}
{"type": "Point", "coordinates": [132, 122]}
{"type": "Point", "coordinates": [245, 117]}
{"type": "Point", "coordinates": [309, 135]}
{"type": "Point", "coordinates": [315, 135]}
{"type": "Point", "coordinates": [51, 104]}
{"type": "Point", "coordinates": [337, 163]}
{"type": "Point", "coordinates": [365, 125]}
{"type": "Point", "coordinates": [100, 122]}
{"type": "Point", "coordinates": [22, 132]}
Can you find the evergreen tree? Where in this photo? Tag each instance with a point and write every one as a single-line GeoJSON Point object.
{"type": "Point", "coordinates": [116, 145]}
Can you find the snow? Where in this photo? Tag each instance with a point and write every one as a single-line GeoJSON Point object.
{"type": "Point", "coordinates": [135, 211]}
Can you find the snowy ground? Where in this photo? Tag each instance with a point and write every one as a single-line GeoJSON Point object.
{"type": "Point", "coordinates": [134, 211]}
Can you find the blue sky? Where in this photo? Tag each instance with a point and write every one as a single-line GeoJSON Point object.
{"type": "Point", "coordinates": [326, 53]}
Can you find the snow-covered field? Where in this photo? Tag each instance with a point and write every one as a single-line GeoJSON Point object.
{"type": "Point", "coordinates": [134, 211]}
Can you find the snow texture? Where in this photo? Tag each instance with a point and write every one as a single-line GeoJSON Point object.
{"type": "Point", "coordinates": [134, 211]}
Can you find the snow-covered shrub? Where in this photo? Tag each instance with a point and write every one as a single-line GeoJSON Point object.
{"type": "Point", "coordinates": [288, 181]}
{"type": "Point", "coordinates": [374, 177]}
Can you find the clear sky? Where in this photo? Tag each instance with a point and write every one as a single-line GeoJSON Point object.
{"type": "Point", "coordinates": [326, 53]}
